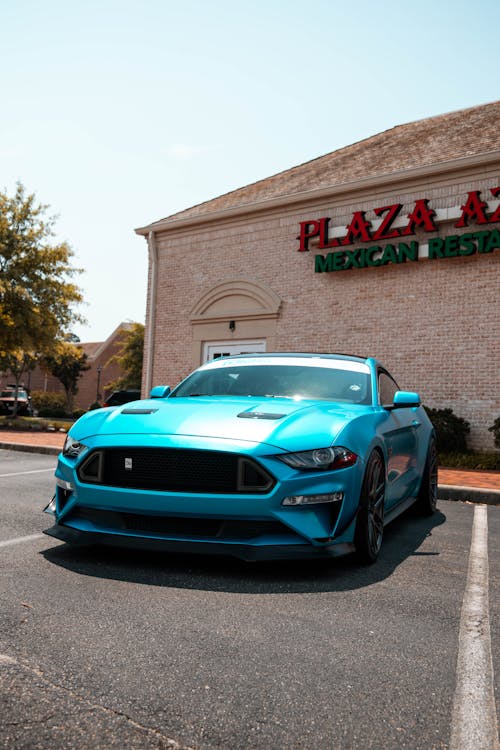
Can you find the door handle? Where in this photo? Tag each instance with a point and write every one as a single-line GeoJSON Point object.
{"type": "Point", "coordinates": [416, 423]}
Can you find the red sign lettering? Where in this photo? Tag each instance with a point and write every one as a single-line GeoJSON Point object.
{"type": "Point", "coordinates": [383, 232]}
{"type": "Point", "coordinates": [359, 228]}
{"type": "Point", "coordinates": [323, 235]}
{"type": "Point", "coordinates": [472, 210]}
{"type": "Point", "coordinates": [422, 217]}
{"type": "Point", "coordinates": [306, 234]}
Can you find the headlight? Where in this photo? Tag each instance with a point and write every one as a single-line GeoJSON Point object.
{"type": "Point", "coordinates": [73, 448]}
{"type": "Point", "coordinates": [321, 459]}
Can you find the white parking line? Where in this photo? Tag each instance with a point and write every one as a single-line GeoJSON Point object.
{"type": "Point", "coordinates": [474, 722]}
{"type": "Point", "coordinates": [20, 473]}
{"type": "Point", "coordinates": [20, 539]}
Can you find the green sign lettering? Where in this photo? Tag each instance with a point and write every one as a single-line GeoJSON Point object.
{"type": "Point", "coordinates": [454, 246]}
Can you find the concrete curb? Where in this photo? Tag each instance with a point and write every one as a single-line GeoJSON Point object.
{"type": "Point", "coordinates": [51, 450]}
{"type": "Point", "coordinates": [469, 494]}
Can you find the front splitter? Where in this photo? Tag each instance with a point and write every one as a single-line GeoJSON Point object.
{"type": "Point", "coordinates": [247, 552]}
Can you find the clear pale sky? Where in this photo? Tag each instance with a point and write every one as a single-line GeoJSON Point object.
{"type": "Point", "coordinates": [118, 113]}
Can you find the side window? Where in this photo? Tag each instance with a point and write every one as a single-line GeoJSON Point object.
{"type": "Point", "coordinates": [387, 387]}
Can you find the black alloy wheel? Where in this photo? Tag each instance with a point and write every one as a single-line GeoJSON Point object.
{"type": "Point", "coordinates": [370, 521]}
{"type": "Point", "coordinates": [427, 496]}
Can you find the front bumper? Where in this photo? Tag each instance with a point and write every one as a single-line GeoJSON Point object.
{"type": "Point", "coordinates": [90, 513]}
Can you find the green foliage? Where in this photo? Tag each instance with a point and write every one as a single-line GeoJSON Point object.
{"type": "Point", "coordinates": [129, 358]}
{"type": "Point", "coordinates": [477, 461]}
{"type": "Point", "coordinates": [36, 294]}
{"type": "Point", "coordinates": [495, 429]}
{"type": "Point", "coordinates": [451, 431]}
{"type": "Point", "coordinates": [49, 404]}
{"type": "Point", "coordinates": [47, 400]}
{"type": "Point", "coordinates": [17, 363]}
{"type": "Point", "coordinates": [55, 412]}
{"type": "Point", "coordinates": [31, 424]}
{"type": "Point", "coordinates": [66, 362]}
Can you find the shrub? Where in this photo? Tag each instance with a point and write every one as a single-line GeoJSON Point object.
{"type": "Point", "coordinates": [495, 429]}
{"type": "Point", "coordinates": [478, 461]}
{"type": "Point", "coordinates": [451, 431]}
{"type": "Point", "coordinates": [32, 424]}
{"type": "Point", "coordinates": [54, 412]}
{"type": "Point", "coordinates": [47, 400]}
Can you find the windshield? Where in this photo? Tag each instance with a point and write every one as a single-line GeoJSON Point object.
{"type": "Point", "coordinates": [278, 381]}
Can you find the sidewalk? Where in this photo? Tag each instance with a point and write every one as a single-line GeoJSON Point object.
{"type": "Point", "coordinates": [454, 484]}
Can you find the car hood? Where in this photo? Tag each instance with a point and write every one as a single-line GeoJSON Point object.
{"type": "Point", "coordinates": [281, 423]}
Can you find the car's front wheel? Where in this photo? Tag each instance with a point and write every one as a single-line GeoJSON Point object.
{"type": "Point", "coordinates": [370, 520]}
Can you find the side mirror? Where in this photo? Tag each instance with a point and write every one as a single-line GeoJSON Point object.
{"type": "Point", "coordinates": [405, 399]}
{"type": "Point", "coordinates": [160, 391]}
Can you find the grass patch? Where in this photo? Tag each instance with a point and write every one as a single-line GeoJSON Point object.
{"type": "Point", "coordinates": [34, 424]}
{"type": "Point", "coordinates": [470, 460]}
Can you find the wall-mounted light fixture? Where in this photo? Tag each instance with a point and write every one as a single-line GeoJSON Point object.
{"type": "Point", "coordinates": [232, 325]}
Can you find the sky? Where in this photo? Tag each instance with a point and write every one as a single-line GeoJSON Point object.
{"type": "Point", "coordinates": [119, 113]}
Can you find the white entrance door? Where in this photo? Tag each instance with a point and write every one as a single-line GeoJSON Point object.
{"type": "Point", "coordinates": [214, 349]}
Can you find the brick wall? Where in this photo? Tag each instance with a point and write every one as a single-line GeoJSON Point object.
{"type": "Point", "coordinates": [434, 324]}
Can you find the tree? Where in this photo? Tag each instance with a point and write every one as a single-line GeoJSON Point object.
{"type": "Point", "coordinates": [36, 294]}
{"type": "Point", "coordinates": [129, 357]}
{"type": "Point", "coordinates": [66, 363]}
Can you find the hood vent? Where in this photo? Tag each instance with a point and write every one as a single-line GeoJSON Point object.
{"type": "Point", "coordinates": [138, 411]}
{"type": "Point", "coordinates": [260, 415]}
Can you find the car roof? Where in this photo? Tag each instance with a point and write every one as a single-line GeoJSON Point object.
{"type": "Point", "coordinates": [312, 355]}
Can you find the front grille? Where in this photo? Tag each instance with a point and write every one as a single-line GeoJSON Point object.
{"type": "Point", "coordinates": [175, 470]}
{"type": "Point", "coordinates": [207, 528]}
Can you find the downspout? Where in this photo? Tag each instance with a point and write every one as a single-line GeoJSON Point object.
{"type": "Point", "coordinates": [153, 262]}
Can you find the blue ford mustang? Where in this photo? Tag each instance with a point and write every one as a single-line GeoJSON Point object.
{"type": "Point", "coordinates": [257, 456]}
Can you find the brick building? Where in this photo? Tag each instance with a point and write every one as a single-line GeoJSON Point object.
{"type": "Point", "coordinates": [388, 247]}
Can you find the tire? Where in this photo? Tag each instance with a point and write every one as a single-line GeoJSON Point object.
{"type": "Point", "coordinates": [427, 495]}
{"type": "Point", "coordinates": [370, 521]}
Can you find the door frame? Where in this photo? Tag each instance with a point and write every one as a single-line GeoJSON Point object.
{"type": "Point", "coordinates": [226, 348]}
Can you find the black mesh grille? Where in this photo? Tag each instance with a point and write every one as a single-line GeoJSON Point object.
{"type": "Point", "coordinates": [175, 470]}
{"type": "Point", "coordinates": [208, 528]}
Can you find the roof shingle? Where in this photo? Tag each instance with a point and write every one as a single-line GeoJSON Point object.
{"type": "Point", "coordinates": [454, 135]}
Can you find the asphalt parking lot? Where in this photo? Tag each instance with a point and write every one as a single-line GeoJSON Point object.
{"type": "Point", "coordinates": [112, 648]}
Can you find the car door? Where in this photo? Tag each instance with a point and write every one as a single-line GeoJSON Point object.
{"type": "Point", "coordinates": [399, 428]}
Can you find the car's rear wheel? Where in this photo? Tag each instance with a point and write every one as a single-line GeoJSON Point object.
{"type": "Point", "coordinates": [370, 520]}
{"type": "Point", "coordinates": [427, 496]}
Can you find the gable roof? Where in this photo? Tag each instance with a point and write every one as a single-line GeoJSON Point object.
{"type": "Point", "coordinates": [94, 349]}
{"type": "Point", "coordinates": [435, 140]}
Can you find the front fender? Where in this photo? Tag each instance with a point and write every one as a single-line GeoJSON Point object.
{"type": "Point", "coordinates": [363, 435]}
